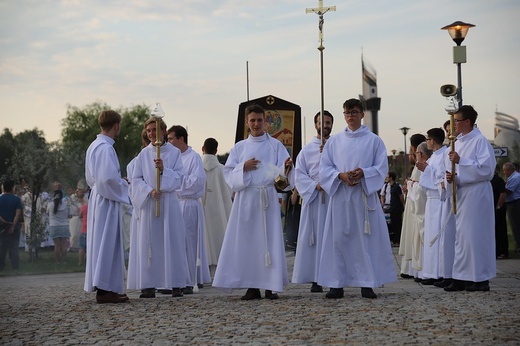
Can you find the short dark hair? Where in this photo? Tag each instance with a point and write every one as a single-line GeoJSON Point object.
{"type": "Point", "coordinates": [210, 146]}
{"type": "Point", "coordinates": [179, 131]}
{"type": "Point", "coordinates": [417, 139]}
{"type": "Point", "coordinates": [437, 134]}
{"type": "Point", "coordinates": [254, 108]}
{"type": "Point", "coordinates": [468, 112]}
{"type": "Point", "coordinates": [392, 175]}
{"type": "Point", "coordinates": [8, 185]}
{"type": "Point", "coordinates": [446, 123]}
{"type": "Point", "coordinates": [326, 112]}
{"type": "Point", "coordinates": [108, 118]}
{"type": "Point", "coordinates": [354, 103]}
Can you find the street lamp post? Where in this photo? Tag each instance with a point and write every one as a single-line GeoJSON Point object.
{"type": "Point", "coordinates": [458, 31]}
{"type": "Point", "coordinates": [404, 130]}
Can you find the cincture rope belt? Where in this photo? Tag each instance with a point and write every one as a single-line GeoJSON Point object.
{"type": "Point", "coordinates": [264, 203]}
{"type": "Point", "coordinates": [367, 208]}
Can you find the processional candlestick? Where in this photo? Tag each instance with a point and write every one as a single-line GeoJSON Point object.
{"type": "Point", "coordinates": [158, 114]}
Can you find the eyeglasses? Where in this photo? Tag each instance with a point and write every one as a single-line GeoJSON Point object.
{"type": "Point", "coordinates": [429, 139]}
{"type": "Point", "coordinates": [352, 113]}
{"type": "Point", "coordinates": [457, 120]}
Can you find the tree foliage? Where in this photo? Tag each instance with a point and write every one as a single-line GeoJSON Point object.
{"type": "Point", "coordinates": [80, 128]}
{"type": "Point", "coordinates": [7, 145]}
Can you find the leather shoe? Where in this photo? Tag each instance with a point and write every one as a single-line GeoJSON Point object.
{"type": "Point", "coordinates": [176, 292]}
{"type": "Point", "coordinates": [406, 276]}
{"type": "Point", "coordinates": [443, 283]}
{"type": "Point", "coordinates": [456, 285]}
{"type": "Point", "coordinates": [199, 286]}
{"type": "Point", "coordinates": [367, 292]}
{"type": "Point", "coordinates": [270, 295]}
{"type": "Point", "coordinates": [335, 293]}
{"type": "Point", "coordinates": [110, 297]}
{"type": "Point", "coordinates": [187, 290]}
{"type": "Point", "coordinates": [316, 288]}
{"type": "Point", "coordinates": [482, 286]}
{"type": "Point", "coordinates": [147, 293]}
{"type": "Point", "coordinates": [164, 291]}
{"type": "Point", "coordinates": [252, 293]}
{"type": "Point", "coordinates": [429, 282]}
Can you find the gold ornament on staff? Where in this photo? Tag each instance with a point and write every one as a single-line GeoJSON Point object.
{"type": "Point", "coordinates": [450, 91]}
{"type": "Point", "coordinates": [158, 114]}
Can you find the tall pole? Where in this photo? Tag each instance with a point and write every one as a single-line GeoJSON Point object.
{"type": "Point", "coordinates": [320, 11]}
{"type": "Point", "coordinates": [158, 113]}
{"type": "Point", "coordinates": [404, 130]}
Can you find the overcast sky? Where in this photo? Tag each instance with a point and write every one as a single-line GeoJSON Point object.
{"type": "Point", "coordinates": [191, 57]}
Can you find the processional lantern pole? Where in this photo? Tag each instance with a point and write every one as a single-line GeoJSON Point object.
{"type": "Point", "coordinates": [158, 114]}
{"type": "Point", "coordinates": [450, 92]}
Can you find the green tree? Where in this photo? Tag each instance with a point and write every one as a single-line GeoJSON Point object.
{"type": "Point", "coordinates": [80, 128]}
{"type": "Point", "coordinates": [7, 144]}
{"type": "Point", "coordinates": [36, 164]}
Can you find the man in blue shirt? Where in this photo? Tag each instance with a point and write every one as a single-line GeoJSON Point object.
{"type": "Point", "coordinates": [10, 217]}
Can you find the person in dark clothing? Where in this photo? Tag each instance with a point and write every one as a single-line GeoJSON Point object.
{"type": "Point", "coordinates": [392, 195]}
{"type": "Point", "coordinates": [10, 218]}
{"type": "Point", "coordinates": [499, 197]}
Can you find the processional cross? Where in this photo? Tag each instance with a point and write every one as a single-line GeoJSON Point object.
{"type": "Point", "coordinates": [320, 11]}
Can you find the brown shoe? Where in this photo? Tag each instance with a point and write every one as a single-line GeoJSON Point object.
{"type": "Point", "coordinates": [252, 293]}
{"type": "Point", "coordinates": [110, 297]}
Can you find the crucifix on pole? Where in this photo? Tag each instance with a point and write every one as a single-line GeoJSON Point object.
{"type": "Point", "coordinates": [320, 11]}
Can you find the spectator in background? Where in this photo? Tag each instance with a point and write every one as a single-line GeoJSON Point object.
{"type": "Point", "coordinates": [392, 196]}
{"type": "Point", "coordinates": [499, 198]}
{"type": "Point", "coordinates": [83, 234]}
{"type": "Point", "coordinates": [11, 215]}
{"type": "Point", "coordinates": [58, 211]}
{"type": "Point", "coordinates": [513, 200]}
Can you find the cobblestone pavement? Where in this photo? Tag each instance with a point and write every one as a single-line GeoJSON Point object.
{"type": "Point", "coordinates": [53, 309]}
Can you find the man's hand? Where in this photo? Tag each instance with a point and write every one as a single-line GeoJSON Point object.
{"type": "Point", "coordinates": [318, 187]}
{"type": "Point", "coordinates": [288, 162]}
{"type": "Point", "coordinates": [159, 164]}
{"type": "Point", "coordinates": [421, 165]}
{"type": "Point", "coordinates": [251, 165]}
{"type": "Point", "coordinates": [449, 177]}
{"type": "Point", "coordinates": [454, 157]}
{"type": "Point", "coordinates": [156, 195]}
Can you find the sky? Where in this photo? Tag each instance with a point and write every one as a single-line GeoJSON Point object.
{"type": "Point", "coordinates": [191, 56]}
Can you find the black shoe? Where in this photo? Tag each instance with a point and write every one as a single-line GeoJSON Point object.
{"type": "Point", "coordinates": [482, 286]}
{"type": "Point", "coordinates": [164, 291]}
{"type": "Point", "coordinates": [270, 295]}
{"type": "Point", "coordinates": [335, 293]}
{"type": "Point", "coordinates": [187, 290]}
{"type": "Point", "coordinates": [176, 292]}
{"type": "Point", "coordinates": [147, 293]}
{"type": "Point", "coordinates": [316, 288]}
{"type": "Point", "coordinates": [200, 286]}
{"type": "Point", "coordinates": [443, 283]}
{"type": "Point", "coordinates": [252, 293]}
{"type": "Point", "coordinates": [456, 285]}
{"type": "Point", "coordinates": [419, 280]}
{"type": "Point", "coordinates": [406, 276]}
{"type": "Point", "coordinates": [429, 282]}
{"type": "Point", "coordinates": [367, 292]}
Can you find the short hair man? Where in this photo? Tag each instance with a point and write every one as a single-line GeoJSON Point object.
{"type": "Point", "coordinates": [190, 193]}
{"type": "Point", "coordinates": [11, 216]}
{"type": "Point", "coordinates": [216, 201]}
{"type": "Point", "coordinates": [513, 200]}
{"type": "Point", "coordinates": [314, 206]}
{"type": "Point", "coordinates": [356, 248]}
{"type": "Point", "coordinates": [253, 251]}
{"type": "Point", "coordinates": [474, 157]}
{"type": "Point", "coordinates": [105, 260]}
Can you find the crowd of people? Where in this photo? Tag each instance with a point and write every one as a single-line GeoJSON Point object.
{"type": "Point", "coordinates": [176, 214]}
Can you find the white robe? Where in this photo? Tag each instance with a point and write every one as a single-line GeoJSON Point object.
{"type": "Point", "coordinates": [253, 251]}
{"type": "Point", "coordinates": [475, 219]}
{"type": "Point", "coordinates": [157, 245]}
{"type": "Point", "coordinates": [430, 181]}
{"type": "Point", "coordinates": [356, 247]}
{"type": "Point", "coordinates": [407, 230]}
{"type": "Point", "coordinates": [190, 194]}
{"type": "Point", "coordinates": [312, 219]}
{"type": "Point", "coordinates": [105, 258]}
{"type": "Point", "coordinates": [419, 198]}
{"type": "Point", "coordinates": [217, 206]}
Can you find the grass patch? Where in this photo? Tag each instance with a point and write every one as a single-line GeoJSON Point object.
{"type": "Point", "coordinates": [45, 264]}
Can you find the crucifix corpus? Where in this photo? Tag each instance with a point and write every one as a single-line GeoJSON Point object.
{"type": "Point", "coordinates": [320, 11]}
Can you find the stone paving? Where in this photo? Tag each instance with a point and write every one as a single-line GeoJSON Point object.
{"type": "Point", "coordinates": [53, 309]}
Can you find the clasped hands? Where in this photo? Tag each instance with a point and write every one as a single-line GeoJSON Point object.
{"type": "Point", "coordinates": [352, 177]}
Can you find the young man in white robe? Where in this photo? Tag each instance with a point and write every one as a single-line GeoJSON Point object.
{"type": "Point", "coordinates": [474, 260]}
{"type": "Point", "coordinates": [356, 248]}
{"type": "Point", "coordinates": [433, 174]}
{"type": "Point", "coordinates": [216, 201]}
{"type": "Point", "coordinates": [157, 246]}
{"type": "Point", "coordinates": [405, 244]}
{"type": "Point", "coordinates": [190, 193]}
{"type": "Point", "coordinates": [253, 251]}
{"type": "Point", "coordinates": [314, 206]}
{"type": "Point", "coordinates": [105, 261]}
